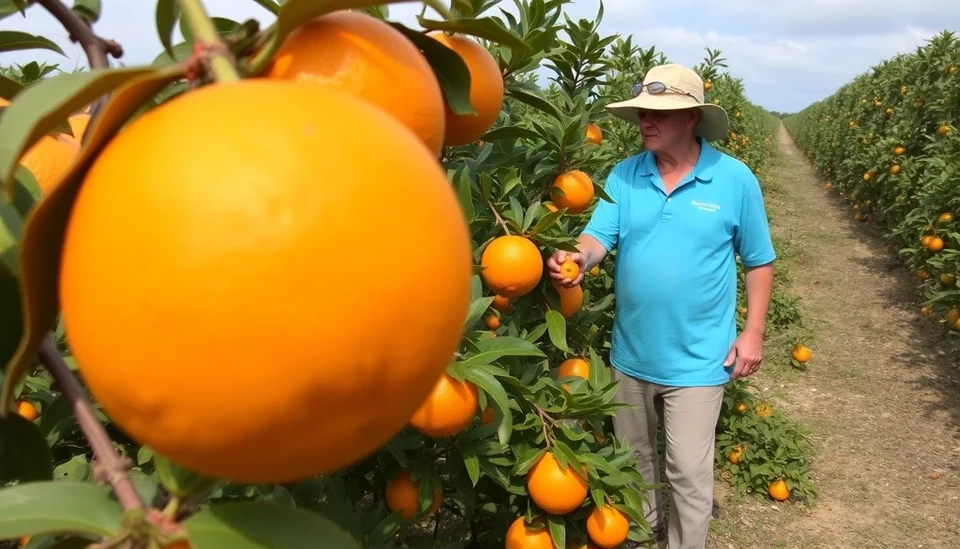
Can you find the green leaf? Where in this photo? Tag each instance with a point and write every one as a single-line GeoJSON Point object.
{"type": "Point", "coordinates": [89, 10]}
{"type": "Point", "coordinates": [222, 25]}
{"type": "Point", "coordinates": [42, 239]}
{"type": "Point", "coordinates": [527, 460]}
{"type": "Point", "coordinates": [178, 480]}
{"type": "Point", "coordinates": [534, 100]}
{"type": "Point", "coordinates": [451, 72]}
{"type": "Point", "coordinates": [476, 310]}
{"type": "Point", "coordinates": [511, 132]}
{"type": "Point", "coordinates": [168, 12]}
{"type": "Point", "coordinates": [557, 328]}
{"type": "Point", "coordinates": [558, 531]}
{"type": "Point", "coordinates": [269, 5]}
{"type": "Point", "coordinates": [489, 384]}
{"type": "Point", "coordinates": [472, 463]}
{"type": "Point", "coordinates": [24, 454]}
{"type": "Point", "coordinates": [58, 506]}
{"type": "Point", "coordinates": [497, 347]}
{"type": "Point", "coordinates": [546, 221]}
{"type": "Point", "coordinates": [10, 7]}
{"type": "Point", "coordinates": [11, 322]}
{"type": "Point", "coordinates": [9, 88]}
{"type": "Point", "coordinates": [259, 525]}
{"type": "Point", "coordinates": [487, 28]}
{"type": "Point", "coordinates": [40, 107]}
{"type": "Point", "coordinates": [17, 41]}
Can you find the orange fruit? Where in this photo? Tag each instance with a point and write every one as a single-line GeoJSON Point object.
{"type": "Point", "coordinates": [571, 299]}
{"type": "Point", "coordinates": [78, 125]}
{"type": "Point", "coordinates": [594, 134]}
{"type": "Point", "coordinates": [764, 409]}
{"type": "Point", "coordinates": [946, 217]}
{"type": "Point", "coordinates": [895, 169]}
{"type": "Point", "coordinates": [925, 311]}
{"type": "Point", "coordinates": [449, 408]}
{"type": "Point", "coordinates": [572, 190]}
{"type": "Point", "coordinates": [607, 526]}
{"type": "Point", "coordinates": [595, 271]}
{"type": "Point", "coordinates": [403, 494]}
{"type": "Point", "coordinates": [801, 353]}
{"type": "Point", "coordinates": [741, 408]}
{"type": "Point", "coordinates": [522, 536]}
{"type": "Point", "coordinates": [952, 316]}
{"type": "Point", "coordinates": [573, 367]}
{"type": "Point", "coordinates": [512, 265]}
{"type": "Point", "coordinates": [577, 366]}
{"type": "Point", "coordinates": [707, 85]}
{"type": "Point", "coordinates": [925, 241]}
{"type": "Point", "coordinates": [486, 90]}
{"type": "Point", "coordinates": [923, 274]}
{"type": "Point", "coordinates": [948, 279]}
{"type": "Point", "coordinates": [778, 490]}
{"type": "Point", "coordinates": [205, 274]}
{"type": "Point", "coordinates": [735, 455]}
{"type": "Point", "coordinates": [898, 150]}
{"type": "Point", "coordinates": [867, 176]}
{"type": "Point", "coordinates": [49, 158]}
{"type": "Point", "coordinates": [935, 244]}
{"type": "Point", "coordinates": [488, 417]}
{"type": "Point", "coordinates": [569, 269]}
{"type": "Point", "coordinates": [944, 129]}
{"type": "Point", "coordinates": [366, 57]}
{"type": "Point", "coordinates": [502, 304]}
{"type": "Point", "coordinates": [27, 410]}
{"type": "Point", "coordinates": [557, 490]}
{"type": "Point", "coordinates": [493, 322]}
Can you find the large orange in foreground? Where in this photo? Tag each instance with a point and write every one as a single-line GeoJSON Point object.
{"type": "Point", "coordinates": [202, 279]}
{"type": "Point", "coordinates": [366, 57]}
{"type": "Point", "coordinates": [486, 90]}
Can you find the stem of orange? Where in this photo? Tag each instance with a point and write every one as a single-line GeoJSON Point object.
{"type": "Point", "coordinates": [499, 219]}
{"type": "Point", "coordinates": [205, 34]}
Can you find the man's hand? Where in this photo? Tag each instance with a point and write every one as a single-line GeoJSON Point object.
{"type": "Point", "coordinates": [747, 351]}
{"type": "Point", "coordinates": [557, 259]}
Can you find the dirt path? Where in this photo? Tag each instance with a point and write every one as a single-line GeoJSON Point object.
{"type": "Point", "coordinates": [881, 395]}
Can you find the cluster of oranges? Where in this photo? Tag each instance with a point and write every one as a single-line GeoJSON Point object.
{"type": "Point", "coordinates": [198, 279]}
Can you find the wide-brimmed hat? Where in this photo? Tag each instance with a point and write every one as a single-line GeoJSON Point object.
{"type": "Point", "coordinates": [669, 87]}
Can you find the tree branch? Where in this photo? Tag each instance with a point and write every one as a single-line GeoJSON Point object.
{"type": "Point", "coordinates": [94, 46]}
{"type": "Point", "coordinates": [112, 466]}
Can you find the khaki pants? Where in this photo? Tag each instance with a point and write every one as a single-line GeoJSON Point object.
{"type": "Point", "coordinates": [690, 418]}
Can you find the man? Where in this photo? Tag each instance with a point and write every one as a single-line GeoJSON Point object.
{"type": "Point", "coordinates": [681, 212]}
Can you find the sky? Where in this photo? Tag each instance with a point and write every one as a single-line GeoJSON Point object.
{"type": "Point", "coordinates": [789, 53]}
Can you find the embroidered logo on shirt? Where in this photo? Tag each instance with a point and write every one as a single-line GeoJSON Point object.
{"type": "Point", "coordinates": [706, 206]}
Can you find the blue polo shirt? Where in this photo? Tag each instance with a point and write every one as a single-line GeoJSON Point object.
{"type": "Point", "coordinates": [675, 275]}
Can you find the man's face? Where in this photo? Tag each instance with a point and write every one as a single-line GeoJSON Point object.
{"type": "Point", "coordinates": [664, 130]}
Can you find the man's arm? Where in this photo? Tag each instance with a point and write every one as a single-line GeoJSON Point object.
{"type": "Point", "coordinates": [593, 251]}
{"type": "Point", "coordinates": [759, 290]}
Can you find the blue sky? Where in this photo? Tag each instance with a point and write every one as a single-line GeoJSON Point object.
{"type": "Point", "coordinates": [788, 52]}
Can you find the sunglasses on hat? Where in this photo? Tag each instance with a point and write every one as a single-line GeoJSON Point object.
{"type": "Point", "coordinates": [656, 88]}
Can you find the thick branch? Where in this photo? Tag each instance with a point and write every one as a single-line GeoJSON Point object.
{"type": "Point", "coordinates": [94, 46]}
{"type": "Point", "coordinates": [113, 466]}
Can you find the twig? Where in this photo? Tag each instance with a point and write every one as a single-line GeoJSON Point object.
{"type": "Point", "coordinates": [112, 465]}
{"type": "Point", "coordinates": [548, 423]}
{"type": "Point", "coordinates": [94, 46]}
{"type": "Point", "coordinates": [499, 219]}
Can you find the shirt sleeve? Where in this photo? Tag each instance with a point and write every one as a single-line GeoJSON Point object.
{"type": "Point", "coordinates": [752, 239]}
{"type": "Point", "coordinates": [604, 224]}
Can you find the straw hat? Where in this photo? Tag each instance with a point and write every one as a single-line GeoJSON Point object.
{"type": "Point", "coordinates": [669, 87]}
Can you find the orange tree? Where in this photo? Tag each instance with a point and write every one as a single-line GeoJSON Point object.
{"type": "Point", "coordinates": [433, 405]}
{"type": "Point", "coordinates": [888, 142]}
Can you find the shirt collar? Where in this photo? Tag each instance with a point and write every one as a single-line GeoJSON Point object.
{"type": "Point", "coordinates": [702, 171]}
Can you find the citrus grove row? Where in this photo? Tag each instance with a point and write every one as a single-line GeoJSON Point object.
{"type": "Point", "coordinates": [324, 321]}
{"type": "Point", "coordinates": [889, 143]}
